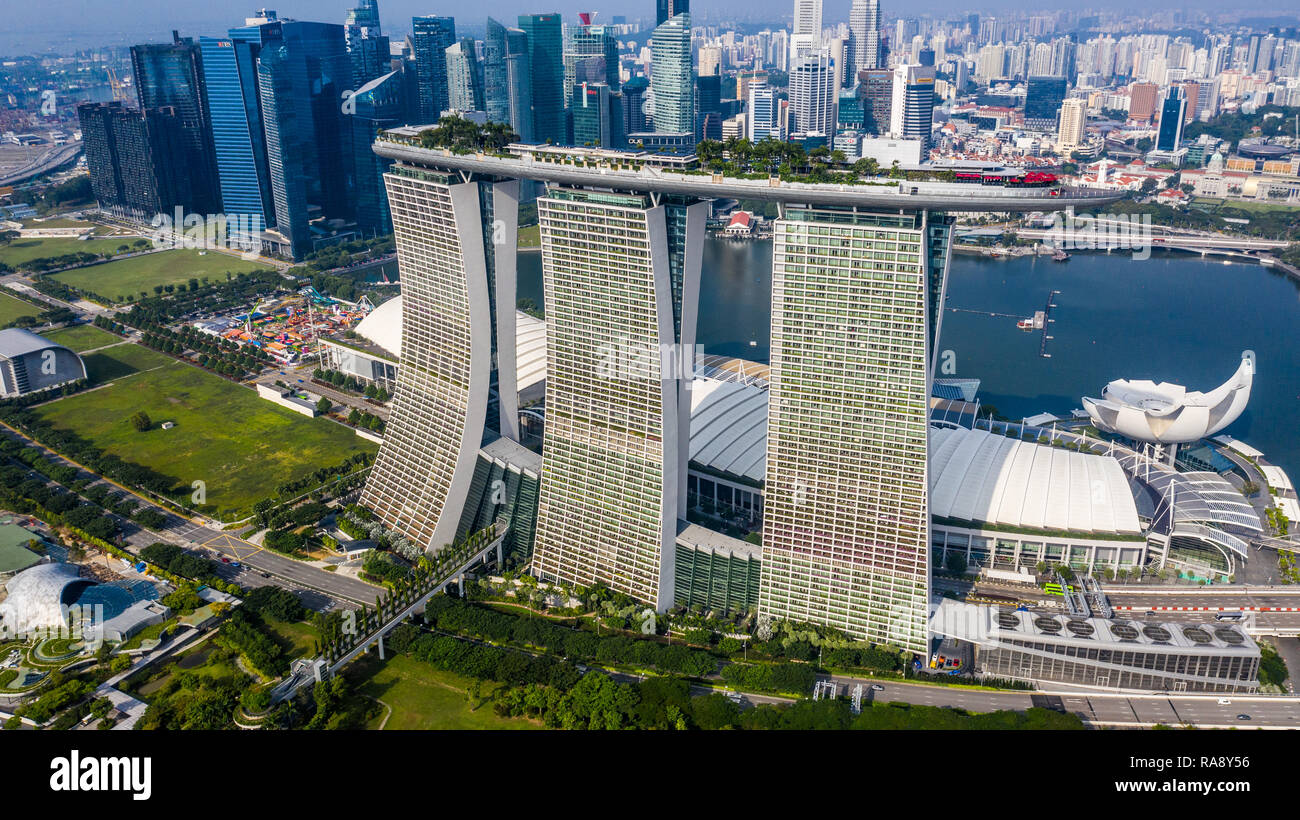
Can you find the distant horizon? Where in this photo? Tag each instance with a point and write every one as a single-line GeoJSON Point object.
{"type": "Point", "coordinates": [45, 28]}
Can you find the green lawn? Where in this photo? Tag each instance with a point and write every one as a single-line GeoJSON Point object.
{"type": "Point", "coordinates": [530, 236]}
{"type": "Point", "coordinates": [122, 360]}
{"type": "Point", "coordinates": [241, 446]}
{"type": "Point", "coordinates": [12, 308]}
{"type": "Point", "coordinates": [127, 278]}
{"type": "Point", "coordinates": [296, 639]}
{"type": "Point", "coordinates": [82, 337]}
{"type": "Point", "coordinates": [20, 251]}
{"type": "Point", "coordinates": [422, 697]}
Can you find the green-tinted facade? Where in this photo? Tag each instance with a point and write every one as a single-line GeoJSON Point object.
{"type": "Point", "coordinates": [716, 579]}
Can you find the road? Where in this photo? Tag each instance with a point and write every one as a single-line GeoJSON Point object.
{"type": "Point", "coordinates": [46, 162]}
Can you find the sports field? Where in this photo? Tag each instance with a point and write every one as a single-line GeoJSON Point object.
{"type": "Point", "coordinates": [125, 279]}
{"type": "Point", "coordinates": [82, 337]}
{"type": "Point", "coordinates": [242, 447]}
{"type": "Point", "coordinates": [12, 308]}
{"type": "Point", "coordinates": [20, 251]}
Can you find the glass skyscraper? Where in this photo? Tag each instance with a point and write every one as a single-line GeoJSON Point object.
{"type": "Point", "coordinates": [368, 48]}
{"type": "Point", "coordinates": [171, 75]}
{"type": "Point", "coordinates": [430, 37]}
{"type": "Point", "coordinates": [545, 44]}
{"type": "Point", "coordinates": [464, 82]}
{"type": "Point", "coordinates": [670, 76]}
{"type": "Point", "coordinates": [375, 106]}
{"type": "Point", "coordinates": [1043, 98]}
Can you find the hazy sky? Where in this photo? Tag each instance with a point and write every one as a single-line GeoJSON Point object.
{"type": "Point", "coordinates": [35, 26]}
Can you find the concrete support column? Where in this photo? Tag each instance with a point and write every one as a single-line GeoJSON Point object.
{"type": "Point", "coordinates": [381, 647]}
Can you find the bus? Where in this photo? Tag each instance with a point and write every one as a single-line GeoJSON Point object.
{"type": "Point", "coordinates": [1055, 589]}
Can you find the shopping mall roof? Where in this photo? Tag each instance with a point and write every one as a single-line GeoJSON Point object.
{"type": "Point", "coordinates": [981, 477]}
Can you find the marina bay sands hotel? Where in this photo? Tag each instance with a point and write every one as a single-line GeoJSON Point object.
{"type": "Point", "coordinates": [858, 277]}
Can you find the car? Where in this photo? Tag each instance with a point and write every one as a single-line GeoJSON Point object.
{"type": "Point", "coordinates": [225, 560]}
{"type": "Point", "coordinates": [875, 687]}
{"type": "Point", "coordinates": [1243, 717]}
{"type": "Point", "coordinates": [1225, 702]}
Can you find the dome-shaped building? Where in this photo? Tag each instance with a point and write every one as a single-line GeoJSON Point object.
{"type": "Point", "coordinates": [37, 597]}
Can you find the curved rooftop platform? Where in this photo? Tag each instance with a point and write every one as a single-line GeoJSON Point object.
{"type": "Point", "coordinates": [596, 168]}
{"type": "Point", "coordinates": [1168, 413]}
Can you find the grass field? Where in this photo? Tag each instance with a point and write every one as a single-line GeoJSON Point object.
{"type": "Point", "coordinates": [82, 337]}
{"type": "Point", "coordinates": [242, 447]}
{"type": "Point", "coordinates": [530, 236]}
{"type": "Point", "coordinates": [1245, 205]}
{"type": "Point", "coordinates": [296, 639]}
{"type": "Point", "coordinates": [127, 278]}
{"type": "Point", "coordinates": [12, 308]}
{"type": "Point", "coordinates": [422, 697]}
{"type": "Point", "coordinates": [20, 251]}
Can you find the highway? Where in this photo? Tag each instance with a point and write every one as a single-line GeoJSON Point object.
{"type": "Point", "coordinates": [46, 162]}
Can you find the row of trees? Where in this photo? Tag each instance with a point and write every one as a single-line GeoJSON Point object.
{"type": "Point", "coordinates": [344, 381]}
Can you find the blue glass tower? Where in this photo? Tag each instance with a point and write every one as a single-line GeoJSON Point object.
{"type": "Point", "coordinates": [430, 37]}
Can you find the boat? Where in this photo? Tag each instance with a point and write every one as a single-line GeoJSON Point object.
{"type": "Point", "coordinates": [1025, 324]}
{"type": "Point", "coordinates": [1060, 256]}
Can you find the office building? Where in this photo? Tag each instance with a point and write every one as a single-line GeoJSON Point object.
{"type": "Point", "coordinates": [597, 114]}
{"type": "Point", "coordinates": [464, 81]}
{"type": "Point", "coordinates": [1043, 98]}
{"type": "Point", "coordinates": [708, 107]}
{"type": "Point", "coordinates": [912, 108]}
{"type": "Point", "coordinates": [170, 75]}
{"type": "Point", "coordinates": [238, 138]}
{"type": "Point", "coordinates": [545, 44]}
{"type": "Point", "coordinates": [430, 39]}
{"type": "Point", "coordinates": [634, 117]}
{"type": "Point", "coordinates": [1172, 117]}
{"type": "Point", "coordinates": [508, 86]}
{"type": "Point", "coordinates": [1142, 101]}
{"type": "Point", "coordinates": [136, 159]}
{"type": "Point", "coordinates": [814, 87]}
{"type": "Point", "coordinates": [670, 76]}
{"type": "Point", "coordinates": [1074, 115]}
{"type": "Point", "coordinates": [376, 106]}
{"type": "Point", "coordinates": [665, 9]}
{"type": "Point", "coordinates": [876, 90]}
{"type": "Point", "coordinates": [457, 349]}
{"type": "Point", "coordinates": [301, 80]}
{"type": "Point", "coordinates": [806, 36]}
{"type": "Point", "coordinates": [766, 114]}
{"type": "Point", "coordinates": [845, 530]}
{"type": "Point", "coordinates": [368, 49]}
{"type": "Point", "coordinates": [864, 48]}
{"type": "Point", "coordinates": [596, 49]}
{"type": "Point", "coordinates": [496, 74]}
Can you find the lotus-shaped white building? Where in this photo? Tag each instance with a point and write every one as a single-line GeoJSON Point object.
{"type": "Point", "coordinates": [1167, 413]}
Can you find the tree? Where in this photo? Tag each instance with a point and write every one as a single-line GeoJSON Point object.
{"type": "Point", "coordinates": [141, 421]}
{"type": "Point", "coordinates": [1149, 185]}
{"type": "Point", "coordinates": [323, 406]}
{"type": "Point", "coordinates": [956, 563]}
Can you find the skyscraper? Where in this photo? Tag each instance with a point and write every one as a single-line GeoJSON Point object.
{"type": "Point", "coordinates": [1170, 133]}
{"type": "Point", "coordinates": [301, 80]}
{"type": "Point", "coordinates": [136, 159]}
{"type": "Point", "coordinates": [668, 8]}
{"type": "Point", "coordinates": [238, 139]}
{"type": "Point", "coordinates": [171, 75]}
{"type": "Point", "coordinates": [864, 37]}
{"type": "Point", "coordinates": [766, 120]}
{"type": "Point", "coordinates": [496, 93]}
{"type": "Point", "coordinates": [453, 278]}
{"type": "Point", "coordinates": [845, 519]}
{"type": "Point", "coordinates": [595, 46]}
{"type": "Point", "coordinates": [1043, 98]}
{"type": "Point", "coordinates": [814, 88]}
{"type": "Point", "coordinates": [1142, 101]}
{"type": "Point", "coordinates": [368, 48]}
{"type": "Point", "coordinates": [614, 409]}
{"type": "Point", "coordinates": [597, 113]}
{"type": "Point", "coordinates": [545, 44]}
{"type": "Point", "coordinates": [670, 76]}
{"type": "Point", "coordinates": [1073, 118]}
{"type": "Point", "coordinates": [464, 83]}
{"type": "Point", "coordinates": [876, 88]}
{"type": "Point", "coordinates": [912, 108]}
{"type": "Point", "coordinates": [634, 119]}
{"type": "Point", "coordinates": [708, 107]}
{"type": "Point", "coordinates": [806, 38]}
{"type": "Point", "coordinates": [375, 106]}
{"type": "Point", "coordinates": [430, 38]}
